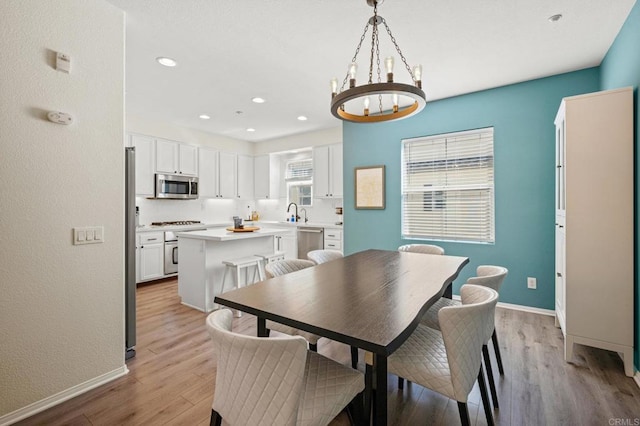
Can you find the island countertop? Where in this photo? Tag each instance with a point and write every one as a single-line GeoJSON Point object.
{"type": "Point", "coordinates": [221, 234]}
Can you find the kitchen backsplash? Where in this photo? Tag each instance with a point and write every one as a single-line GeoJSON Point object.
{"type": "Point", "coordinates": [221, 211]}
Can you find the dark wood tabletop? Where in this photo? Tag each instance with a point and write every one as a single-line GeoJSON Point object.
{"type": "Point", "coordinates": [372, 300]}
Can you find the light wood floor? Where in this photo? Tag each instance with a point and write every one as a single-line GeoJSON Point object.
{"type": "Point", "coordinates": [172, 378]}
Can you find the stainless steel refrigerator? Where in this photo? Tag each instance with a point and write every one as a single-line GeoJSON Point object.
{"type": "Point", "coordinates": [130, 252]}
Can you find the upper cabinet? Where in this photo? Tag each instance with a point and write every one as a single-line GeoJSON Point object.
{"type": "Point", "coordinates": [267, 177]}
{"type": "Point", "coordinates": [219, 174]}
{"type": "Point", "coordinates": [176, 158]}
{"type": "Point", "coordinates": [327, 171]}
{"type": "Point", "coordinates": [245, 177]}
{"type": "Point", "coordinates": [145, 167]}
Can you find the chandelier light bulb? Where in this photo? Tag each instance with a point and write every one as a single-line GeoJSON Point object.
{"type": "Point", "coordinates": [353, 69]}
{"type": "Point", "coordinates": [388, 63]}
{"type": "Point", "coordinates": [395, 102]}
{"type": "Point", "coordinates": [366, 105]}
{"type": "Point", "coordinates": [417, 73]}
{"type": "Point", "coordinates": [334, 86]}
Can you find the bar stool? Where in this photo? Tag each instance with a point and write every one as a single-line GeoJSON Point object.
{"type": "Point", "coordinates": [268, 258]}
{"type": "Point", "coordinates": [235, 266]}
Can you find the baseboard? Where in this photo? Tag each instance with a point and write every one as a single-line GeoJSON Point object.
{"type": "Point", "coordinates": [522, 308]}
{"type": "Point", "coordinates": [60, 397]}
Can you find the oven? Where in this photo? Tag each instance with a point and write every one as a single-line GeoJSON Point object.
{"type": "Point", "coordinates": [170, 253]}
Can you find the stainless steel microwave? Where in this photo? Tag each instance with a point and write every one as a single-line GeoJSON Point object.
{"type": "Point", "coordinates": [176, 187]}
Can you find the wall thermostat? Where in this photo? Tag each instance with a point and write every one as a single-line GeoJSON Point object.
{"type": "Point", "coordinates": [60, 117]}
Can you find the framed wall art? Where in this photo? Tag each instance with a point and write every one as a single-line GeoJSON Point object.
{"type": "Point", "coordinates": [369, 187]}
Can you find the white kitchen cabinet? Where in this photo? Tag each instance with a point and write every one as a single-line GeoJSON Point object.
{"type": "Point", "coordinates": [227, 174]}
{"type": "Point", "coordinates": [266, 177]}
{"type": "Point", "coordinates": [245, 177]}
{"type": "Point", "coordinates": [150, 256]}
{"type": "Point", "coordinates": [288, 243]}
{"type": "Point", "coordinates": [176, 158]}
{"type": "Point", "coordinates": [145, 167]}
{"type": "Point", "coordinates": [333, 239]}
{"type": "Point", "coordinates": [327, 171]}
{"type": "Point", "coordinates": [594, 222]}
{"type": "Point", "coordinates": [218, 172]}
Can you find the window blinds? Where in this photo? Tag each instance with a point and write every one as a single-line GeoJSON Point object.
{"type": "Point", "coordinates": [447, 187]}
{"type": "Point", "coordinates": [299, 170]}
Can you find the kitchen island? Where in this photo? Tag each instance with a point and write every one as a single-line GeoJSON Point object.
{"type": "Point", "coordinates": [200, 268]}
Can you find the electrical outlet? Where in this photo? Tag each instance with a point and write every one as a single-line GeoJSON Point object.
{"type": "Point", "coordinates": [532, 283]}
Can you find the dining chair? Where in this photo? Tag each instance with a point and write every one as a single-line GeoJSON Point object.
{"type": "Point", "coordinates": [282, 267]}
{"type": "Point", "coordinates": [277, 381]}
{"type": "Point", "coordinates": [488, 276]}
{"type": "Point", "coordinates": [449, 361]}
{"type": "Point", "coordinates": [323, 256]}
{"type": "Point", "coordinates": [286, 266]}
{"type": "Point", "coordinates": [422, 248]}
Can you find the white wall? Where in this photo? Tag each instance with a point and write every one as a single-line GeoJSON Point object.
{"type": "Point", "coordinates": [159, 129]}
{"type": "Point", "coordinates": [303, 140]}
{"type": "Point", "coordinates": [61, 306]}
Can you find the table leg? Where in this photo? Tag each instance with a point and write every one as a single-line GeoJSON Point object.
{"type": "Point", "coordinates": [380, 402]}
{"type": "Point", "coordinates": [262, 327]}
{"type": "Point", "coordinates": [448, 292]}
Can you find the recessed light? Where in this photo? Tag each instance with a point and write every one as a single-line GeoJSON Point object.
{"type": "Point", "coordinates": [258, 100]}
{"type": "Point", "coordinates": [302, 118]}
{"type": "Point", "coordinates": [205, 117]}
{"type": "Point", "coordinates": [251, 129]}
{"type": "Point", "coordinates": [555, 18]}
{"type": "Point", "coordinates": [167, 62]}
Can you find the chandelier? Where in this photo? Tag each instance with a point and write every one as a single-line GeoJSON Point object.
{"type": "Point", "coordinates": [353, 104]}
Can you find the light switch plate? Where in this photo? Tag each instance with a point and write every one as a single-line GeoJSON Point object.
{"type": "Point", "coordinates": [88, 235]}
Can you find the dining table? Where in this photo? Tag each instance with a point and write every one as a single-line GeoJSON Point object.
{"type": "Point", "coordinates": [372, 300]}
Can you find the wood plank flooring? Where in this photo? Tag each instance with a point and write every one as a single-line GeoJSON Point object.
{"type": "Point", "coordinates": [172, 377]}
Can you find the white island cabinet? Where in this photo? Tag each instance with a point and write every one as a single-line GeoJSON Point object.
{"type": "Point", "coordinates": [200, 269]}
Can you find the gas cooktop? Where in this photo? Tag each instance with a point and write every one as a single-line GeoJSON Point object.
{"type": "Point", "coordinates": [176, 222]}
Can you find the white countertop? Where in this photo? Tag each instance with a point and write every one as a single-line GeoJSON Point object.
{"type": "Point", "coordinates": [221, 234]}
{"type": "Point", "coordinates": [261, 223]}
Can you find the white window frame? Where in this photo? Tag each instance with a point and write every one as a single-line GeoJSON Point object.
{"type": "Point", "coordinates": [299, 173]}
{"type": "Point", "coordinates": [459, 169]}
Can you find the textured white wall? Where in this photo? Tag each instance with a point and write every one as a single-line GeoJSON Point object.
{"type": "Point", "coordinates": [61, 306]}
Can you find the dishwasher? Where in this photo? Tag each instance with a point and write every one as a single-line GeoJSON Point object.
{"type": "Point", "coordinates": [309, 239]}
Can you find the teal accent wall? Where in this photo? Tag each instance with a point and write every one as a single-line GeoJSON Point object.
{"type": "Point", "coordinates": [620, 68]}
{"type": "Point", "coordinates": [524, 148]}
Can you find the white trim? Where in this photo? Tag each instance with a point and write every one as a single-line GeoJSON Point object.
{"type": "Point", "coordinates": [60, 397]}
{"type": "Point", "coordinates": [548, 312]}
{"type": "Point", "coordinates": [636, 378]}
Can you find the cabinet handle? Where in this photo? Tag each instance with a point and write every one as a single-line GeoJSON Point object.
{"type": "Point", "coordinates": [559, 274]}
{"type": "Point", "coordinates": [560, 226]}
{"type": "Point", "coordinates": [152, 239]}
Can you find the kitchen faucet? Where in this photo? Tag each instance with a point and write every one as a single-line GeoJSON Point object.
{"type": "Point", "coordinates": [296, 206]}
{"type": "Point", "coordinates": [305, 214]}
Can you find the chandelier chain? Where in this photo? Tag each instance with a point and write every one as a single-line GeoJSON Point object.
{"type": "Point", "coordinates": [374, 38]}
{"type": "Point", "coordinates": [378, 68]}
{"type": "Point", "coordinates": [404, 60]}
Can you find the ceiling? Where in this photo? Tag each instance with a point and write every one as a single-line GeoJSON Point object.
{"type": "Point", "coordinates": [286, 51]}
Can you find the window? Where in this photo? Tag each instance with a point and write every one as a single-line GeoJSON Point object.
{"type": "Point", "coordinates": [447, 187]}
{"type": "Point", "coordinates": [299, 175]}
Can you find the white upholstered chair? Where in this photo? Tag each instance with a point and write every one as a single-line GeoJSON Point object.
{"type": "Point", "coordinates": [422, 248]}
{"type": "Point", "coordinates": [450, 361]}
{"type": "Point", "coordinates": [323, 256]}
{"type": "Point", "coordinates": [488, 276]}
{"type": "Point", "coordinates": [282, 267]}
{"type": "Point", "coordinates": [276, 381]}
